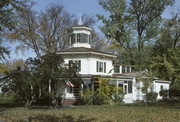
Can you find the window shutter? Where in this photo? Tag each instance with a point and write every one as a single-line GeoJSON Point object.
{"type": "Point", "coordinates": [97, 66]}
{"type": "Point", "coordinates": [79, 65]}
{"type": "Point", "coordinates": [104, 67]}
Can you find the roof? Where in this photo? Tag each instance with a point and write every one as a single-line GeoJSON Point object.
{"type": "Point", "coordinates": [129, 74]}
{"type": "Point", "coordinates": [136, 74]}
{"type": "Point", "coordinates": [79, 27]}
{"type": "Point", "coordinates": [84, 50]}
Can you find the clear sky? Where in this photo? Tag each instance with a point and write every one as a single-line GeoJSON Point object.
{"type": "Point", "coordinates": [90, 7]}
{"type": "Point", "coordinates": [77, 7]}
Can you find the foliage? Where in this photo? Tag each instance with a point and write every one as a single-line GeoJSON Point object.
{"type": "Point", "coordinates": [36, 79]}
{"type": "Point", "coordinates": [166, 51]}
{"type": "Point", "coordinates": [87, 97]}
{"type": "Point", "coordinates": [171, 95]}
{"type": "Point", "coordinates": [46, 31]}
{"type": "Point", "coordinates": [106, 92]}
{"type": "Point", "coordinates": [146, 78]}
{"type": "Point", "coordinates": [10, 66]}
{"type": "Point", "coordinates": [133, 25]}
{"type": "Point", "coordinates": [151, 96]}
{"type": "Point", "coordinates": [8, 8]}
{"type": "Point", "coordinates": [164, 94]}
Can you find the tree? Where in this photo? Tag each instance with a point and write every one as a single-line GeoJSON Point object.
{"type": "Point", "coordinates": [147, 79]}
{"type": "Point", "coordinates": [7, 21]}
{"type": "Point", "coordinates": [39, 80]}
{"type": "Point", "coordinates": [106, 91]}
{"type": "Point", "coordinates": [10, 66]}
{"type": "Point", "coordinates": [7, 10]}
{"type": "Point", "coordinates": [45, 32]}
{"type": "Point", "coordinates": [133, 24]}
{"type": "Point", "coordinates": [166, 51]}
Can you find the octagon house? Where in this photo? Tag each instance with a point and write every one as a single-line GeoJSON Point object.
{"type": "Point", "coordinates": [94, 63]}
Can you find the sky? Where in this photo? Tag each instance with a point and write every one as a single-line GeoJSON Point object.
{"type": "Point", "coordinates": [77, 7]}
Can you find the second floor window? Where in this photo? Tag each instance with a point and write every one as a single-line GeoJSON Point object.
{"type": "Point", "coordinates": [116, 69]}
{"type": "Point", "coordinates": [75, 63]}
{"type": "Point", "coordinates": [123, 69]}
{"type": "Point", "coordinates": [101, 66]}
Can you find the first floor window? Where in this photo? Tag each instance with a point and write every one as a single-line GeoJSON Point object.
{"type": "Point", "coordinates": [129, 86]}
{"type": "Point", "coordinates": [125, 89]}
{"type": "Point", "coordinates": [161, 87]}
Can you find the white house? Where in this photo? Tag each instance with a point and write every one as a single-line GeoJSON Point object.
{"type": "Point", "coordinates": [96, 63]}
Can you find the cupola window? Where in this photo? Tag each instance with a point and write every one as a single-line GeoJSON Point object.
{"type": "Point", "coordinates": [82, 38]}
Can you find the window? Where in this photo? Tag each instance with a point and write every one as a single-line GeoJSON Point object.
{"type": "Point", "coordinates": [121, 87]}
{"type": "Point", "coordinates": [116, 69]}
{"type": "Point", "coordinates": [161, 87]}
{"type": "Point", "coordinates": [125, 89]}
{"type": "Point", "coordinates": [128, 69]}
{"type": "Point", "coordinates": [78, 37]}
{"type": "Point", "coordinates": [123, 69]}
{"type": "Point", "coordinates": [75, 63]}
{"type": "Point", "coordinates": [101, 66]}
{"type": "Point", "coordinates": [129, 86]}
{"type": "Point", "coordinates": [72, 38]}
{"type": "Point", "coordinates": [84, 38]}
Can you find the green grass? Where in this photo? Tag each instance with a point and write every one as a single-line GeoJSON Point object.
{"type": "Point", "coordinates": [104, 113]}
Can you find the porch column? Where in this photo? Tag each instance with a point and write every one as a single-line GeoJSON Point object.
{"type": "Point", "coordinates": [49, 85]}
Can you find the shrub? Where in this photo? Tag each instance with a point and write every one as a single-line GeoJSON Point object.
{"type": "Point", "coordinates": [173, 94]}
{"type": "Point", "coordinates": [118, 97]}
{"type": "Point", "coordinates": [164, 94]}
{"type": "Point", "coordinates": [152, 96]}
{"type": "Point", "coordinates": [46, 99]}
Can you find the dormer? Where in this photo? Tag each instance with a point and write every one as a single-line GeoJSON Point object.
{"type": "Point", "coordinates": [79, 36]}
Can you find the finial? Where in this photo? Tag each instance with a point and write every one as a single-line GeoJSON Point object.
{"type": "Point", "coordinates": [80, 21]}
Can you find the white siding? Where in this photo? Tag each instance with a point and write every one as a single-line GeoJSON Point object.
{"type": "Point", "coordinates": [88, 65]}
{"type": "Point", "coordinates": [157, 87]}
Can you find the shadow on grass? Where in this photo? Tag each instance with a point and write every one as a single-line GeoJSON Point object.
{"type": "Point", "coordinates": [64, 118]}
{"type": "Point", "coordinates": [173, 105]}
{"type": "Point", "coordinates": [5, 106]}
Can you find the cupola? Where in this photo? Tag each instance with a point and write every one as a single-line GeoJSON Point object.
{"type": "Point", "coordinates": [79, 36]}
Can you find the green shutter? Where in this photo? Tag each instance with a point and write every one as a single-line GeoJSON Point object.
{"type": "Point", "coordinates": [97, 66]}
{"type": "Point", "coordinates": [79, 65]}
{"type": "Point", "coordinates": [104, 67]}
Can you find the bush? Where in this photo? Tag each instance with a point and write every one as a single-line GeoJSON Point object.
{"type": "Point", "coordinates": [164, 94]}
{"type": "Point", "coordinates": [118, 97]}
{"type": "Point", "coordinates": [172, 95]}
{"type": "Point", "coordinates": [100, 99]}
{"type": "Point", "coordinates": [152, 96]}
{"type": "Point", "coordinates": [45, 100]}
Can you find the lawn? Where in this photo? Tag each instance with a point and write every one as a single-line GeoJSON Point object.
{"type": "Point", "coordinates": [102, 113]}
